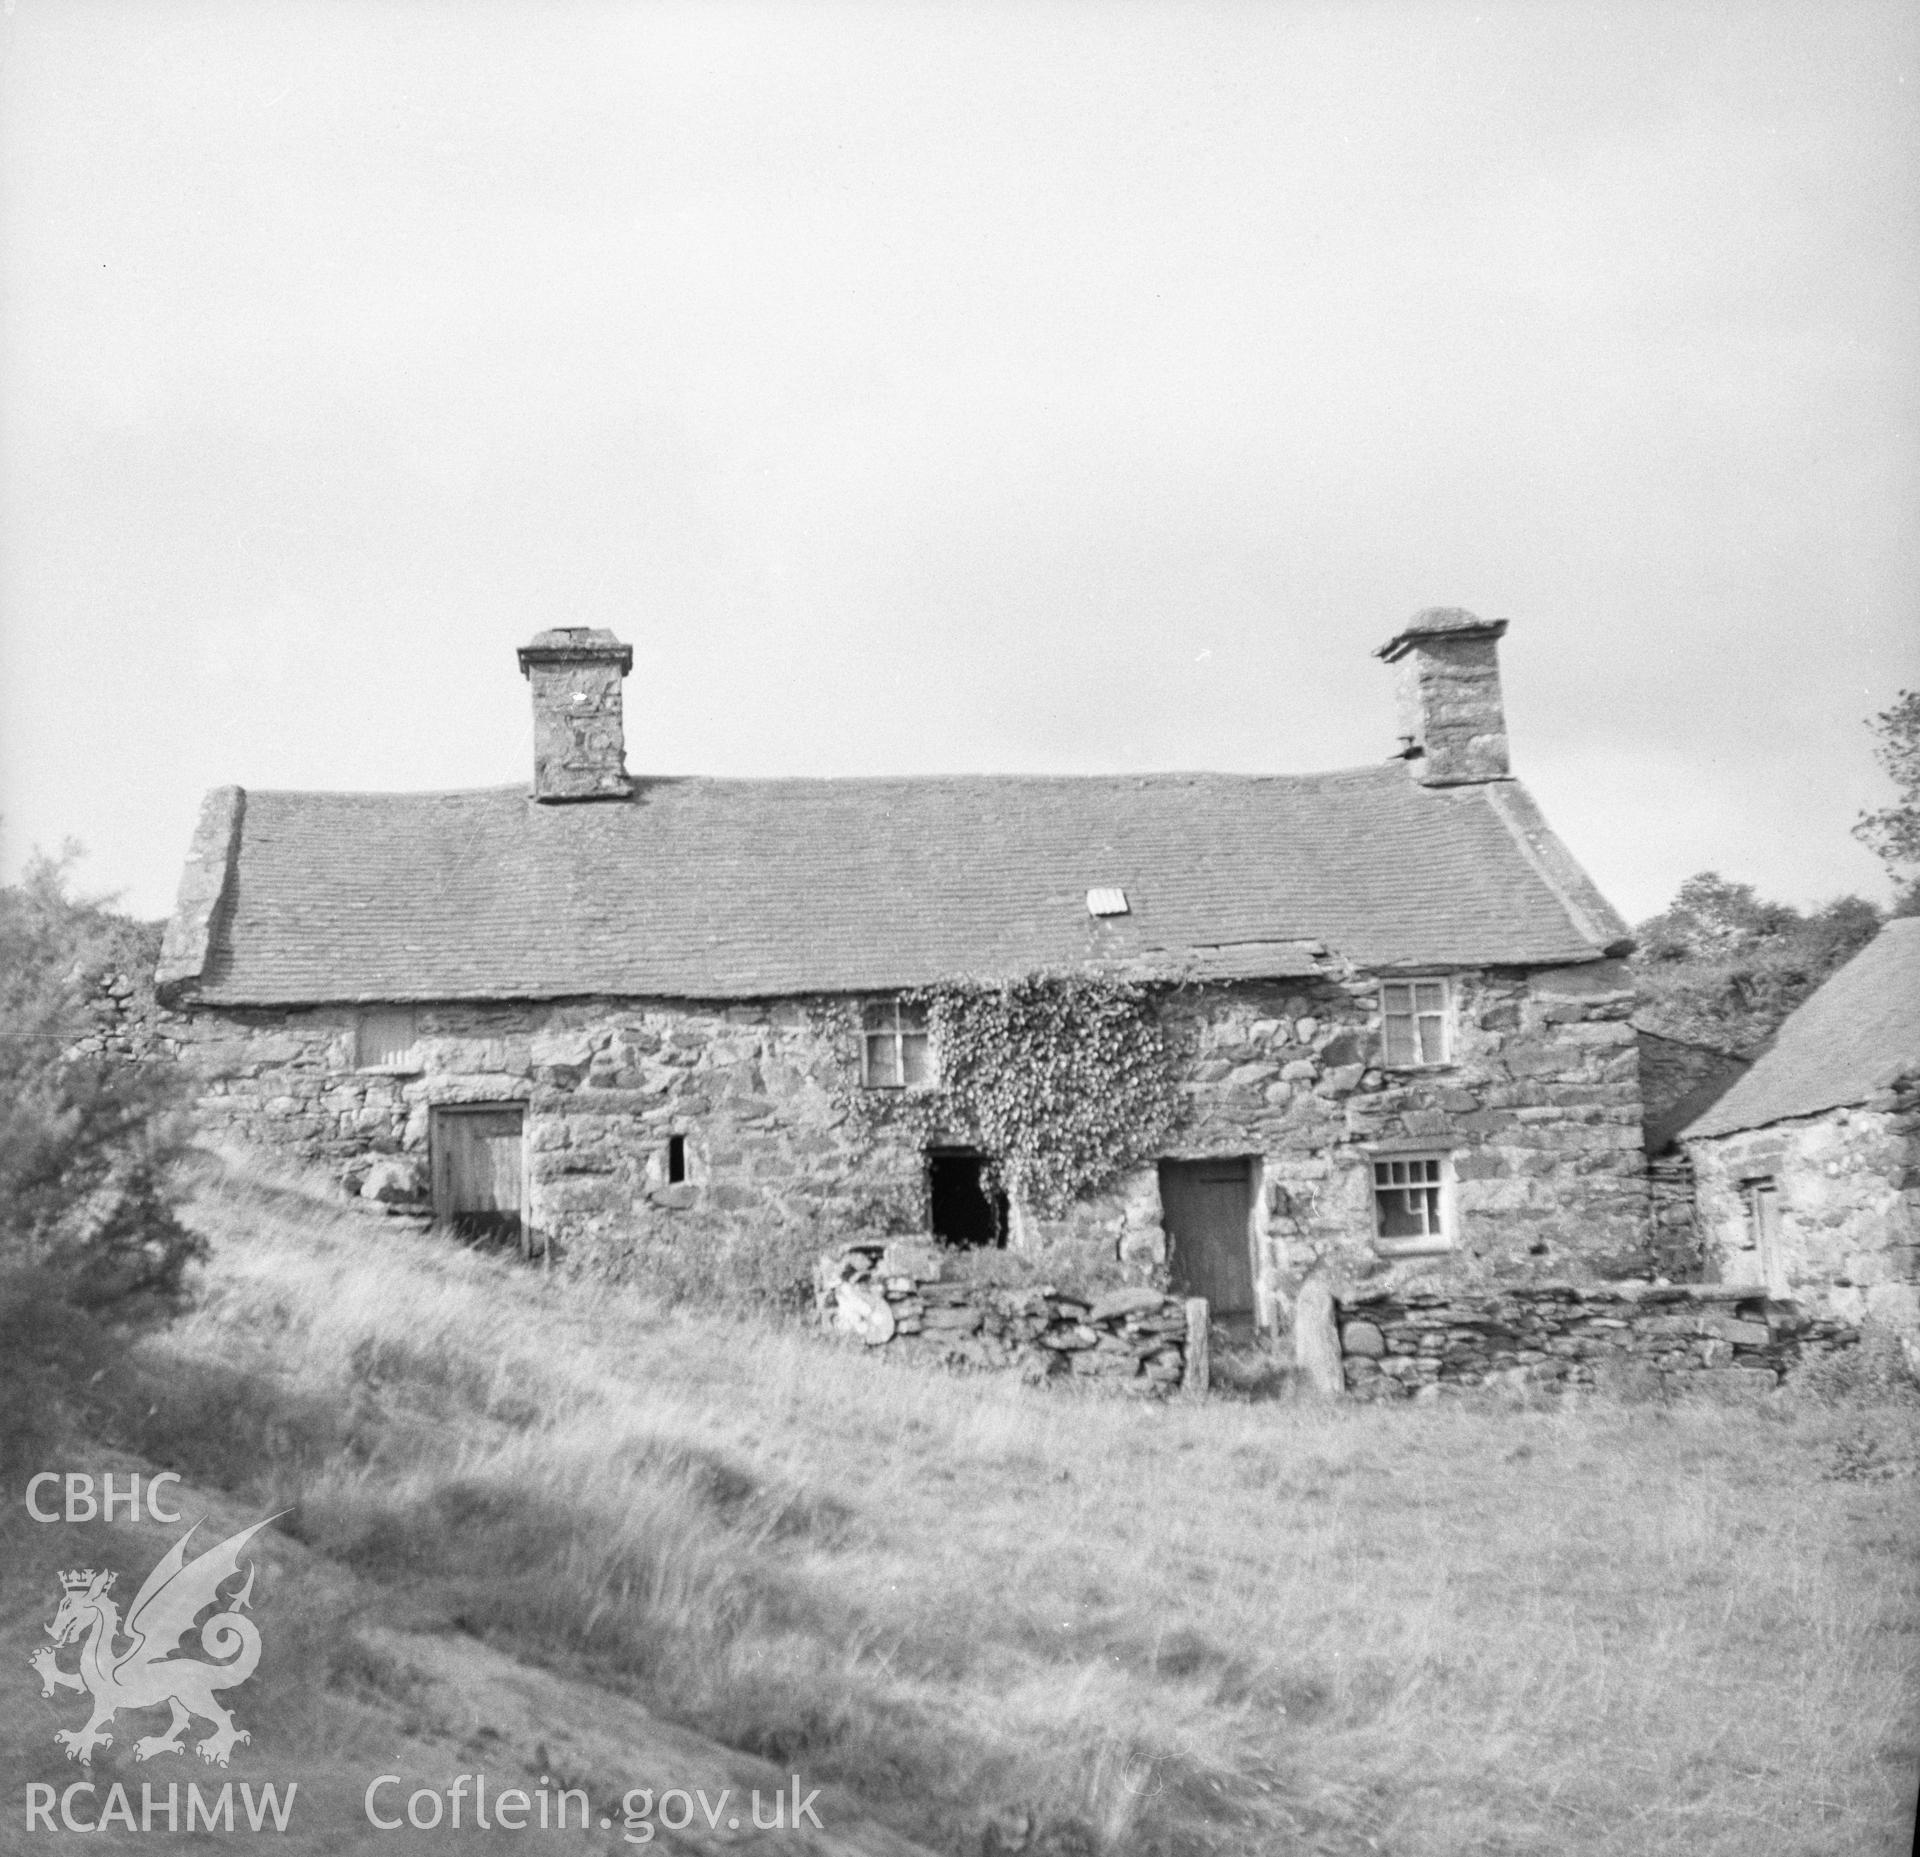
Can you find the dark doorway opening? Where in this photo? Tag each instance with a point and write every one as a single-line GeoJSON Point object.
{"type": "Point", "coordinates": [1207, 1209]}
{"type": "Point", "coordinates": [480, 1172]}
{"type": "Point", "coordinates": [963, 1208]}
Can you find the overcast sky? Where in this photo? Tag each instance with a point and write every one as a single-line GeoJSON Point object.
{"type": "Point", "coordinates": [1053, 387]}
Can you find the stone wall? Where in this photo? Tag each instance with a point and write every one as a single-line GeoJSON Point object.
{"type": "Point", "coordinates": [1674, 1228]}
{"type": "Point", "coordinates": [124, 1020]}
{"type": "Point", "coordinates": [1849, 1204]}
{"type": "Point", "coordinates": [1624, 1338]}
{"type": "Point", "coordinates": [1538, 1114]}
{"type": "Point", "coordinates": [756, 1092]}
{"type": "Point", "coordinates": [897, 1297]}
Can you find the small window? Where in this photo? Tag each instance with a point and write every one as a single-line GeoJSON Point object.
{"type": "Point", "coordinates": [1105, 902]}
{"type": "Point", "coordinates": [383, 1039]}
{"type": "Point", "coordinates": [1418, 1022]}
{"type": "Point", "coordinates": [1763, 1230]}
{"type": "Point", "coordinates": [1410, 1203]}
{"type": "Point", "coordinates": [895, 1051]}
{"type": "Point", "coordinates": [676, 1159]}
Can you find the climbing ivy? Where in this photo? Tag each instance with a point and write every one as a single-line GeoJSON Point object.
{"type": "Point", "coordinates": [1062, 1080]}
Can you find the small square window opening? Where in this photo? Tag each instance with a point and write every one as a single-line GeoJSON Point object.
{"type": "Point", "coordinates": [1417, 1021]}
{"type": "Point", "coordinates": [1409, 1199]}
{"type": "Point", "coordinates": [383, 1039]}
{"type": "Point", "coordinates": [896, 1052]}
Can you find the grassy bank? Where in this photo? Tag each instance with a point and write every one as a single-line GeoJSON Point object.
{"type": "Point", "coordinates": [1237, 1627]}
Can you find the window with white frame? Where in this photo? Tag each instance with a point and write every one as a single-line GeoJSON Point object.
{"type": "Point", "coordinates": [384, 1039]}
{"type": "Point", "coordinates": [896, 1052]}
{"type": "Point", "coordinates": [1417, 1022]}
{"type": "Point", "coordinates": [1410, 1202]}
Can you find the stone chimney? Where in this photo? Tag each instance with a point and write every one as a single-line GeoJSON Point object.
{"type": "Point", "coordinates": [579, 745]}
{"type": "Point", "coordinates": [1453, 730]}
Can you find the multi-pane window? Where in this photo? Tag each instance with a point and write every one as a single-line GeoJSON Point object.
{"type": "Point", "coordinates": [1418, 1022]}
{"type": "Point", "coordinates": [895, 1052]}
{"type": "Point", "coordinates": [1409, 1197]}
{"type": "Point", "coordinates": [383, 1039]}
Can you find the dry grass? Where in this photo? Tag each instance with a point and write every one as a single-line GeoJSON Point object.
{"type": "Point", "coordinates": [1236, 1627]}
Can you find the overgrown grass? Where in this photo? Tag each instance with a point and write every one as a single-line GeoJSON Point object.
{"type": "Point", "coordinates": [1231, 1626]}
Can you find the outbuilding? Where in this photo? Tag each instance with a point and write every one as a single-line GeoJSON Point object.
{"type": "Point", "coordinates": [1807, 1171]}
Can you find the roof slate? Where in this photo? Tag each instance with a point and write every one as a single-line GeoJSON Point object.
{"type": "Point", "coordinates": [718, 889]}
{"type": "Point", "coordinates": [1849, 1041]}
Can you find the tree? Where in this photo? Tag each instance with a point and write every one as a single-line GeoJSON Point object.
{"type": "Point", "coordinates": [87, 1143]}
{"type": "Point", "coordinates": [1722, 966]}
{"type": "Point", "coordinates": [1893, 833]}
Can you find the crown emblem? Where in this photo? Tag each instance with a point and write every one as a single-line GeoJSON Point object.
{"type": "Point", "coordinates": [83, 1577]}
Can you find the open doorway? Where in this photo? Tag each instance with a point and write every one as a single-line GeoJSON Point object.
{"type": "Point", "coordinates": [964, 1208]}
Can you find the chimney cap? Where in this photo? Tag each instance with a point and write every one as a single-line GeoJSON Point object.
{"type": "Point", "coordinates": [575, 644]}
{"type": "Point", "coordinates": [1439, 622]}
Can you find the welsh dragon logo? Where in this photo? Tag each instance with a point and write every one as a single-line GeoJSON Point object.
{"type": "Point", "coordinates": [145, 1673]}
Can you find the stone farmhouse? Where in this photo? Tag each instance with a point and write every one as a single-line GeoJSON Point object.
{"type": "Point", "coordinates": [610, 1011]}
{"type": "Point", "coordinates": [1807, 1170]}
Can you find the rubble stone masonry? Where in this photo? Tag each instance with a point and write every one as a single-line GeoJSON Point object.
{"type": "Point", "coordinates": [1631, 1339]}
{"type": "Point", "coordinates": [1537, 1117]}
{"type": "Point", "coordinates": [1848, 1186]}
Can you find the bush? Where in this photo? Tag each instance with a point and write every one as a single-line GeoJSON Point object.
{"type": "Point", "coordinates": [1874, 1371]}
{"type": "Point", "coordinates": [87, 1141]}
{"type": "Point", "coordinates": [52, 1357]}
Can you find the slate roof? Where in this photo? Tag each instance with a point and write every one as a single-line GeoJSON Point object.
{"type": "Point", "coordinates": [1848, 1042]}
{"type": "Point", "coordinates": [719, 889]}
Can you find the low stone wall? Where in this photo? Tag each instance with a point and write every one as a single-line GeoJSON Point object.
{"type": "Point", "coordinates": [896, 1296]}
{"type": "Point", "coordinates": [1634, 1338]}
{"type": "Point", "coordinates": [124, 1020]}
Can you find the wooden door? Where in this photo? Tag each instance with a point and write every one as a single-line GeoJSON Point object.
{"type": "Point", "coordinates": [479, 1171]}
{"type": "Point", "coordinates": [1207, 1209]}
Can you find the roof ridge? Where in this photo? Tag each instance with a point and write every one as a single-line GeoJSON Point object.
{"type": "Point", "coordinates": [1366, 771]}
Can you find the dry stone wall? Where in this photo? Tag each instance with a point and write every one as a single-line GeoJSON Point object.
{"type": "Point", "coordinates": [1624, 1338]}
{"type": "Point", "coordinates": [124, 1020]}
{"type": "Point", "coordinates": [897, 1297]}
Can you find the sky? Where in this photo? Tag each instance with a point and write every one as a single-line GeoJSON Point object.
{"type": "Point", "coordinates": [1058, 387]}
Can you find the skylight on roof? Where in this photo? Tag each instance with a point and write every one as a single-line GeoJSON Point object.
{"type": "Point", "coordinates": [1108, 903]}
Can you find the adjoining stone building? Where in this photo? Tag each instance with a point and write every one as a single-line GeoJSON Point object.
{"type": "Point", "coordinates": [623, 1012]}
{"type": "Point", "coordinates": [1808, 1170]}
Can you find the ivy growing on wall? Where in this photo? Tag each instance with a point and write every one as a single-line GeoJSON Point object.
{"type": "Point", "coordinates": [1063, 1080]}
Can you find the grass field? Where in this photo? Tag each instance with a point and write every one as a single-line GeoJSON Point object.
{"type": "Point", "coordinates": [1225, 1626]}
